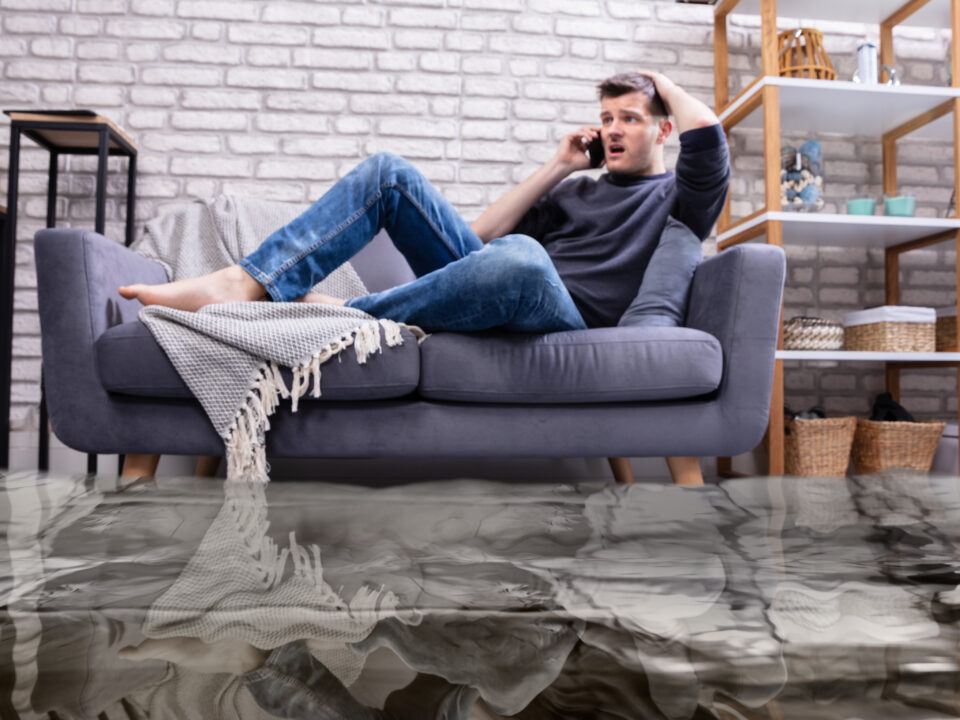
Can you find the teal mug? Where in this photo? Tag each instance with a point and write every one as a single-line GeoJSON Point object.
{"type": "Point", "coordinates": [861, 206]}
{"type": "Point", "coordinates": [900, 206]}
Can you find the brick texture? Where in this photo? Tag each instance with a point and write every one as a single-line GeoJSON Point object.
{"type": "Point", "coordinates": [279, 99]}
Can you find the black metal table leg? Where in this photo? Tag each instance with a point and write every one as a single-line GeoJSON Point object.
{"type": "Point", "coordinates": [7, 265]}
{"type": "Point", "coordinates": [131, 199]}
{"type": "Point", "coordinates": [101, 219]}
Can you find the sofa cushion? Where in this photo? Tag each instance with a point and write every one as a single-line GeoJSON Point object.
{"type": "Point", "coordinates": [131, 362]}
{"type": "Point", "coordinates": [580, 366]}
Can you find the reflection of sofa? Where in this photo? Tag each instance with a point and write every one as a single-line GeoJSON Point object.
{"type": "Point", "coordinates": [702, 389]}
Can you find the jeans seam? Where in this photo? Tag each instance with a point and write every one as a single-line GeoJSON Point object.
{"type": "Point", "coordinates": [425, 216]}
{"type": "Point", "coordinates": [261, 278]}
{"type": "Point", "coordinates": [333, 233]}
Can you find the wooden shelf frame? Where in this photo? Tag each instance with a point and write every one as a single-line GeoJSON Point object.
{"type": "Point", "coordinates": [767, 100]}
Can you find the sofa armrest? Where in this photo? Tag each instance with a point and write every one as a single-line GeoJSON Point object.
{"type": "Point", "coordinates": [736, 297]}
{"type": "Point", "coordinates": [78, 272]}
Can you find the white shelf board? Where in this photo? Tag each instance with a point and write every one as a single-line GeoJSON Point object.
{"type": "Point", "coordinates": [935, 14]}
{"type": "Point", "coordinates": [843, 106]}
{"type": "Point", "coordinates": [831, 230]}
{"type": "Point", "coordinates": [863, 356]}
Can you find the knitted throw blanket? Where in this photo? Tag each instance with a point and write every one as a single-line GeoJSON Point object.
{"type": "Point", "coordinates": [229, 355]}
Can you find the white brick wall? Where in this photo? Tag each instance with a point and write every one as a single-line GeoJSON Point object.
{"type": "Point", "coordinates": [278, 99]}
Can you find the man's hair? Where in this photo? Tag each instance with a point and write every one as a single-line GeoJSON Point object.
{"type": "Point", "coordinates": [629, 82]}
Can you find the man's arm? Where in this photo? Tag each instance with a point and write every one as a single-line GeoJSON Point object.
{"type": "Point", "coordinates": [688, 112]}
{"type": "Point", "coordinates": [503, 215]}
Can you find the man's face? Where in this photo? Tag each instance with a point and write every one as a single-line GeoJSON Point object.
{"type": "Point", "coordinates": [632, 138]}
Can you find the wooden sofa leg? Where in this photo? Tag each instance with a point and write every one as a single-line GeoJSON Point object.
{"type": "Point", "coordinates": [139, 465]}
{"type": "Point", "coordinates": [622, 472]}
{"type": "Point", "coordinates": [685, 470]}
{"type": "Point", "coordinates": [207, 466]}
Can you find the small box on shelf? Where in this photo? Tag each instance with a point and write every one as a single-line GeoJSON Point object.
{"type": "Point", "coordinates": [890, 328]}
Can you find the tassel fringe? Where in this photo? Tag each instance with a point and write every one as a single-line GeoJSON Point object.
{"type": "Point", "coordinates": [245, 440]}
{"type": "Point", "coordinates": [248, 506]}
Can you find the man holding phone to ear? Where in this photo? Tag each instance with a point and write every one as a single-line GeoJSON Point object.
{"type": "Point", "coordinates": [601, 234]}
{"type": "Point", "coordinates": [636, 221]}
{"type": "Point", "coordinates": [547, 256]}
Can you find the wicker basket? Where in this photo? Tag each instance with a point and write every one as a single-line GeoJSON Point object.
{"type": "Point", "coordinates": [946, 333]}
{"type": "Point", "coordinates": [802, 55]}
{"type": "Point", "coordinates": [809, 333]}
{"type": "Point", "coordinates": [819, 447]}
{"type": "Point", "coordinates": [882, 445]}
{"type": "Point", "coordinates": [891, 337]}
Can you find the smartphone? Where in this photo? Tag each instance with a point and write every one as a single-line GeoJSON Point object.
{"type": "Point", "coordinates": [595, 149]}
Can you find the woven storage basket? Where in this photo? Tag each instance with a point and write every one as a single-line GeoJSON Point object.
{"type": "Point", "coordinates": [946, 333]}
{"type": "Point", "coordinates": [819, 447]}
{"type": "Point", "coordinates": [809, 333]}
{"type": "Point", "coordinates": [882, 445]}
{"type": "Point", "coordinates": [802, 54]}
{"type": "Point", "coordinates": [891, 337]}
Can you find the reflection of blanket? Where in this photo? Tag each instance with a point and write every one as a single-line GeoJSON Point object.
{"type": "Point", "coordinates": [237, 585]}
{"type": "Point", "coordinates": [228, 355]}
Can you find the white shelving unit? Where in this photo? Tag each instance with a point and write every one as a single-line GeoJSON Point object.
{"type": "Point", "coordinates": [777, 104]}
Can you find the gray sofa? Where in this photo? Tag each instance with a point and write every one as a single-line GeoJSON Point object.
{"type": "Point", "coordinates": [698, 390]}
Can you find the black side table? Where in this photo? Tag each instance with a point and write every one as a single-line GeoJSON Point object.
{"type": "Point", "coordinates": [72, 132]}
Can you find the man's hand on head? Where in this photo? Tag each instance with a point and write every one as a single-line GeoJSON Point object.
{"type": "Point", "coordinates": [665, 86]}
{"type": "Point", "coordinates": [687, 111]}
{"type": "Point", "coordinates": [572, 151]}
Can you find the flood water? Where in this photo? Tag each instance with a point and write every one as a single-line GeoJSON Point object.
{"type": "Point", "coordinates": [753, 598]}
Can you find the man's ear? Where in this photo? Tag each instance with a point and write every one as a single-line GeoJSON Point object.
{"type": "Point", "coordinates": [664, 128]}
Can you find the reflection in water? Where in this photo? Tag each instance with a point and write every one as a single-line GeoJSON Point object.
{"type": "Point", "coordinates": [755, 598]}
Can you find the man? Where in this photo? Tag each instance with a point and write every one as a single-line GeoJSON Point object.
{"type": "Point", "coordinates": [547, 256]}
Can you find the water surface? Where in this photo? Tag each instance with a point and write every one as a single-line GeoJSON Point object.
{"type": "Point", "coordinates": [754, 598]}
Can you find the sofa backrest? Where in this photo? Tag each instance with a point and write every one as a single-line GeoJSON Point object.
{"type": "Point", "coordinates": [380, 265]}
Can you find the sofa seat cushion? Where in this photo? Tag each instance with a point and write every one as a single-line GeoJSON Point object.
{"type": "Point", "coordinates": [132, 363]}
{"type": "Point", "coordinates": [580, 366]}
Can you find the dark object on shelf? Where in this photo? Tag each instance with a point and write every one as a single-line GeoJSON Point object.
{"type": "Point", "coordinates": [814, 413]}
{"type": "Point", "coordinates": [886, 409]}
{"type": "Point", "coordinates": [61, 132]}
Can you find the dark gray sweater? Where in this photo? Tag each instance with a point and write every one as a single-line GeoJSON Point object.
{"type": "Point", "coordinates": [601, 233]}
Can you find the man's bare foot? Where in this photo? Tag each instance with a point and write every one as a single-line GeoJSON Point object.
{"type": "Point", "coordinates": [231, 284]}
{"type": "Point", "coordinates": [315, 297]}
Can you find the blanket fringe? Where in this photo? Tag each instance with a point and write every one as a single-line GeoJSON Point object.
{"type": "Point", "coordinates": [245, 439]}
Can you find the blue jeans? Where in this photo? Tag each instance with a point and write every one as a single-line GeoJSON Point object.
{"type": "Point", "coordinates": [461, 284]}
